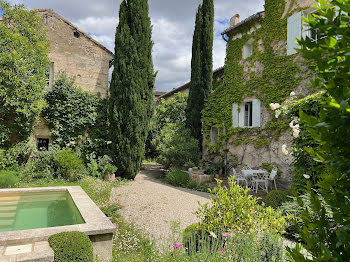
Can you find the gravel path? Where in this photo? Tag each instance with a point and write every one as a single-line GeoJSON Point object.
{"type": "Point", "coordinates": [152, 205]}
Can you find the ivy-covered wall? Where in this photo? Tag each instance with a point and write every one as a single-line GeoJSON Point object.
{"type": "Point", "coordinates": [268, 75]}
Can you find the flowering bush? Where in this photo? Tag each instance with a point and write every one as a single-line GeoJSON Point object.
{"type": "Point", "coordinates": [111, 207]}
{"type": "Point", "coordinates": [233, 209]}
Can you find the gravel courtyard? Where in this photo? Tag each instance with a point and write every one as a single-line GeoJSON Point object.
{"type": "Point", "coordinates": [152, 205]}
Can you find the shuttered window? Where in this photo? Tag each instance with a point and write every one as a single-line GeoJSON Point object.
{"type": "Point", "coordinates": [247, 114]}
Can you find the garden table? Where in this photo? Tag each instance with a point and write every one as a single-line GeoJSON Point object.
{"type": "Point", "coordinates": [255, 175]}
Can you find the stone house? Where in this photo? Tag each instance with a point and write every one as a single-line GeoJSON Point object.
{"type": "Point", "coordinates": [217, 76]}
{"type": "Point", "coordinates": [78, 55]}
{"type": "Point", "coordinates": [261, 67]}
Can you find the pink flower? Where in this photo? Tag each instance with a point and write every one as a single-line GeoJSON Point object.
{"type": "Point", "coordinates": [227, 235]}
{"type": "Point", "coordinates": [222, 251]}
{"type": "Point", "coordinates": [177, 245]}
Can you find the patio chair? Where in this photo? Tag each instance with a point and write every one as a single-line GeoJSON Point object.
{"type": "Point", "coordinates": [272, 177]}
{"type": "Point", "coordinates": [238, 176]}
{"type": "Point", "coordinates": [260, 180]}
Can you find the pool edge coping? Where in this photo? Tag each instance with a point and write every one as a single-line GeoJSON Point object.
{"type": "Point", "coordinates": [96, 223]}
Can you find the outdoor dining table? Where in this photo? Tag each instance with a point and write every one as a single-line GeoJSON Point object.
{"type": "Point", "coordinates": [250, 173]}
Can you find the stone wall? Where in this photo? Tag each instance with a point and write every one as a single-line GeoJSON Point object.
{"type": "Point", "coordinates": [75, 53]}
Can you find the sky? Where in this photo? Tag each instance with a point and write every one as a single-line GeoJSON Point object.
{"type": "Point", "coordinates": [173, 26]}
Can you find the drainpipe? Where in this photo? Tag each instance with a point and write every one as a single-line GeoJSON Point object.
{"type": "Point", "coordinates": [223, 37]}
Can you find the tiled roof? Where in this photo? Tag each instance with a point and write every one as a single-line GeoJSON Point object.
{"type": "Point", "coordinates": [245, 21]}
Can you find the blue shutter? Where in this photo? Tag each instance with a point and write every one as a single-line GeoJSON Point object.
{"type": "Point", "coordinates": [235, 120]}
{"type": "Point", "coordinates": [293, 32]}
{"type": "Point", "coordinates": [256, 113]}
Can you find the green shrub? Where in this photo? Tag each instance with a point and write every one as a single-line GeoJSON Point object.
{"type": "Point", "coordinates": [176, 147]}
{"type": "Point", "coordinates": [233, 209]}
{"type": "Point", "coordinates": [178, 177]}
{"type": "Point", "coordinates": [294, 212]}
{"type": "Point", "coordinates": [71, 246]}
{"type": "Point", "coordinates": [41, 164]}
{"type": "Point", "coordinates": [276, 198]}
{"type": "Point", "coordinates": [8, 178]}
{"type": "Point", "coordinates": [99, 166]}
{"type": "Point", "coordinates": [69, 165]}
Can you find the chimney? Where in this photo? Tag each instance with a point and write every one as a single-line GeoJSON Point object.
{"type": "Point", "coordinates": [234, 20]}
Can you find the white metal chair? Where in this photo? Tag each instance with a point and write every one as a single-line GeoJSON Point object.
{"type": "Point", "coordinates": [272, 177]}
{"type": "Point", "coordinates": [238, 176]}
{"type": "Point", "coordinates": [256, 180]}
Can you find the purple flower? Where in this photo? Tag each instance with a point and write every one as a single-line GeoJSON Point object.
{"type": "Point", "coordinates": [177, 245]}
{"type": "Point", "coordinates": [227, 235]}
{"type": "Point", "coordinates": [222, 251]}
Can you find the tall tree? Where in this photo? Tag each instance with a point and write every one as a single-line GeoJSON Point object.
{"type": "Point", "coordinates": [131, 101]}
{"type": "Point", "coordinates": [201, 68]}
{"type": "Point", "coordinates": [23, 67]}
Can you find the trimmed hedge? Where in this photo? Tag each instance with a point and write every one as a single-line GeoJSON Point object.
{"type": "Point", "coordinates": [276, 198]}
{"type": "Point", "coordinates": [71, 246]}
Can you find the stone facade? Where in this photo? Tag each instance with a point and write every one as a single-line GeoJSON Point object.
{"type": "Point", "coordinates": [78, 55]}
{"type": "Point", "coordinates": [248, 154]}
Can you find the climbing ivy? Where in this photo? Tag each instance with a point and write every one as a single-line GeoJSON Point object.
{"type": "Point", "coordinates": [70, 111]}
{"type": "Point", "coordinates": [278, 77]}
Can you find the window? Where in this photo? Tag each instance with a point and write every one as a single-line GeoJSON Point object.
{"type": "Point", "coordinates": [313, 34]}
{"type": "Point", "coordinates": [247, 49]}
{"type": "Point", "coordinates": [296, 29]}
{"type": "Point", "coordinates": [50, 75]}
{"type": "Point", "coordinates": [214, 133]}
{"type": "Point", "coordinates": [247, 114]}
{"type": "Point", "coordinates": [42, 144]}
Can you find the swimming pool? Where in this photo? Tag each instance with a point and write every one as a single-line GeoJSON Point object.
{"type": "Point", "coordinates": [29, 210]}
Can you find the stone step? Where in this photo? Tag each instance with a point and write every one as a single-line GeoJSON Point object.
{"type": "Point", "coordinates": [6, 215]}
{"type": "Point", "coordinates": [6, 209]}
{"type": "Point", "coordinates": [4, 223]}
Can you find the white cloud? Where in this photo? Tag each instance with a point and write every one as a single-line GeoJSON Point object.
{"type": "Point", "coordinates": [173, 25]}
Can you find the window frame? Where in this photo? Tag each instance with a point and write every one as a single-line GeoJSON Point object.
{"type": "Point", "coordinates": [306, 30]}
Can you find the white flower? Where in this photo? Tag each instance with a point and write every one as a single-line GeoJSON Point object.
{"type": "Point", "coordinates": [109, 142]}
{"type": "Point", "coordinates": [296, 127]}
{"type": "Point", "coordinates": [277, 113]}
{"type": "Point", "coordinates": [306, 176]}
{"type": "Point", "coordinates": [292, 94]}
{"type": "Point", "coordinates": [213, 234]}
{"type": "Point", "coordinates": [274, 106]}
{"type": "Point", "coordinates": [296, 133]}
{"type": "Point", "coordinates": [291, 124]}
{"type": "Point", "coordinates": [284, 150]}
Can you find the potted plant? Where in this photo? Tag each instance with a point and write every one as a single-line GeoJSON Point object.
{"type": "Point", "coordinates": [190, 166]}
{"type": "Point", "coordinates": [108, 172]}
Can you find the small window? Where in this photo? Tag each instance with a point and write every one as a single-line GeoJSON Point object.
{"type": "Point", "coordinates": [42, 144]}
{"type": "Point", "coordinates": [50, 75]}
{"type": "Point", "coordinates": [214, 133]}
{"type": "Point", "coordinates": [76, 34]}
{"type": "Point", "coordinates": [247, 50]}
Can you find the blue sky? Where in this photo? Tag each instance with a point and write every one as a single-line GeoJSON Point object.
{"type": "Point", "coordinates": [173, 25]}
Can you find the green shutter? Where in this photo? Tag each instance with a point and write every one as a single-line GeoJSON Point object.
{"type": "Point", "coordinates": [293, 32]}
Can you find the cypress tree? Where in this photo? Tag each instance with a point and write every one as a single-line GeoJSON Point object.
{"type": "Point", "coordinates": [131, 100]}
{"type": "Point", "coordinates": [201, 68]}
